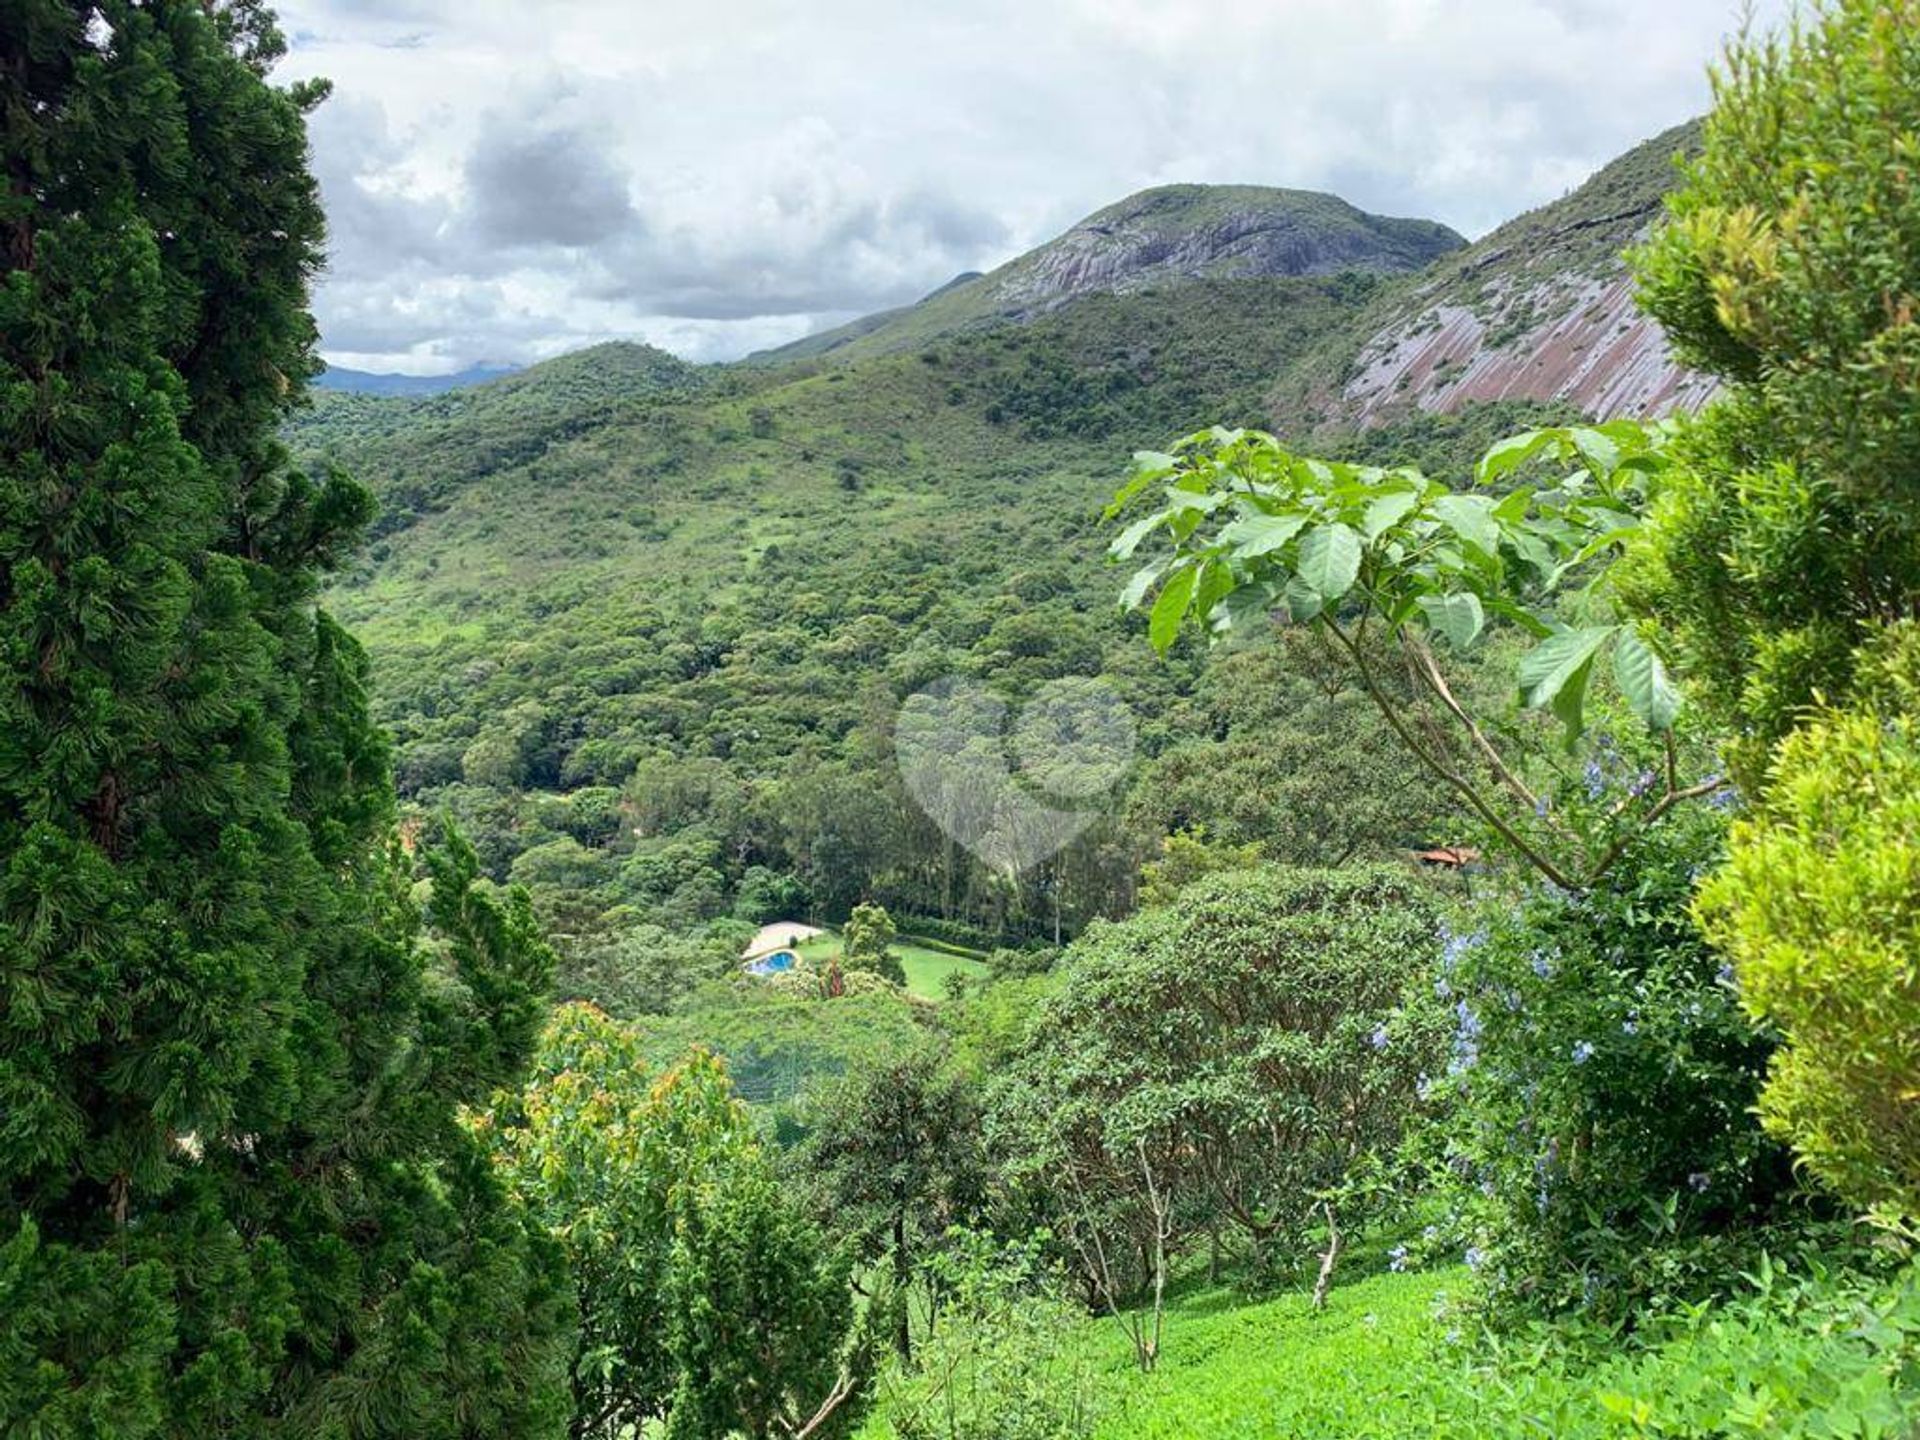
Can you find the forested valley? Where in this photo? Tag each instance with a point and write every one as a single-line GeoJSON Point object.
{"type": "Point", "coordinates": [1263, 821]}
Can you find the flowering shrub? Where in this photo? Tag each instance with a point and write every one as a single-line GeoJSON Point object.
{"type": "Point", "coordinates": [1601, 1146]}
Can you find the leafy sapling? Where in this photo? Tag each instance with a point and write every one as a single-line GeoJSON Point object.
{"type": "Point", "coordinates": [1389, 567]}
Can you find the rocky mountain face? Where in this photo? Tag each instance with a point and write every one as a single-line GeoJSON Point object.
{"type": "Point", "coordinates": [1542, 309]}
{"type": "Point", "coordinates": [1188, 232]}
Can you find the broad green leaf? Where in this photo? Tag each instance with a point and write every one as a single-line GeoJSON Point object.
{"type": "Point", "coordinates": [1600, 452]}
{"type": "Point", "coordinates": [1599, 544]}
{"type": "Point", "coordinates": [1517, 614]}
{"type": "Point", "coordinates": [1148, 466]}
{"type": "Point", "coordinates": [1570, 701]}
{"type": "Point", "coordinates": [1513, 508]}
{"type": "Point", "coordinates": [1388, 511]}
{"type": "Point", "coordinates": [1163, 624]}
{"type": "Point", "coordinates": [1130, 538]}
{"type": "Point", "coordinates": [1142, 581]}
{"type": "Point", "coordinates": [1471, 518]}
{"type": "Point", "coordinates": [1329, 561]}
{"type": "Point", "coordinates": [1205, 501]}
{"type": "Point", "coordinates": [1459, 617]}
{"type": "Point", "coordinates": [1248, 603]}
{"type": "Point", "coordinates": [1303, 601]}
{"type": "Point", "coordinates": [1510, 454]}
{"type": "Point", "coordinates": [1532, 549]}
{"type": "Point", "coordinates": [1216, 582]}
{"type": "Point", "coordinates": [1643, 680]}
{"type": "Point", "coordinates": [1255, 535]}
{"type": "Point", "coordinates": [1556, 672]}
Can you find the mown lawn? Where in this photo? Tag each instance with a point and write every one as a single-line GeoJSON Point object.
{"type": "Point", "coordinates": [927, 970]}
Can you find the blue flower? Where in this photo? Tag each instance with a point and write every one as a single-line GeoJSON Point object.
{"type": "Point", "coordinates": [1397, 1258]}
{"type": "Point", "coordinates": [1699, 1182]}
{"type": "Point", "coordinates": [1596, 780]}
{"type": "Point", "coordinates": [1455, 948]}
{"type": "Point", "coordinates": [1582, 1053]}
{"type": "Point", "coordinates": [1475, 1257]}
{"type": "Point", "coordinates": [1542, 965]}
{"type": "Point", "coordinates": [1378, 1039]}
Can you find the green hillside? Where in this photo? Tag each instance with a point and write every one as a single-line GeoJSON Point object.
{"type": "Point", "coordinates": [613, 571]}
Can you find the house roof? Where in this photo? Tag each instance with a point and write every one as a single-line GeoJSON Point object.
{"type": "Point", "coordinates": [1453, 856]}
{"type": "Point", "coordinates": [781, 935]}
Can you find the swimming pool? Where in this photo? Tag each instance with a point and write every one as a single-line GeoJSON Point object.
{"type": "Point", "coordinates": [777, 963]}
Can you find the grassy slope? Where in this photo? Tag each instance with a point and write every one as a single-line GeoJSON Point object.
{"type": "Point", "coordinates": [1271, 1369]}
{"type": "Point", "coordinates": [1834, 1356]}
{"type": "Point", "coordinates": [1277, 1370]}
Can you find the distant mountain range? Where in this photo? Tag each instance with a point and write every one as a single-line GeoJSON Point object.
{"type": "Point", "coordinates": [367, 382]}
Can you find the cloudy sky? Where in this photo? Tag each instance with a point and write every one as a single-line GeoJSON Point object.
{"type": "Point", "coordinates": [506, 181]}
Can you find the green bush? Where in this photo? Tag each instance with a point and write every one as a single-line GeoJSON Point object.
{"type": "Point", "coordinates": [865, 944]}
{"type": "Point", "coordinates": [1007, 1360]}
{"type": "Point", "coordinates": [1819, 906]}
{"type": "Point", "coordinates": [1788, 267]}
{"type": "Point", "coordinates": [1798, 1356]}
{"type": "Point", "coordinates": [705, 1300]}
{"type": "Point", "coordinates": [1601, 1148]}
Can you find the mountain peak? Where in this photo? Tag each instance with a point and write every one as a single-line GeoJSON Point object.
{"type": "Point", "coordinates": [1172, 233]}
{"type": "Point", "coordinates": [1166, 235]}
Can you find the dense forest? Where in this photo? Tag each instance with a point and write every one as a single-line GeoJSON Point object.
{"type": "Point", "coordinates": [1313, 839]}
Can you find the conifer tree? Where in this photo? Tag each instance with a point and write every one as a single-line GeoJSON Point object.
{"type": "Point", "coordinates": [234, 1199]}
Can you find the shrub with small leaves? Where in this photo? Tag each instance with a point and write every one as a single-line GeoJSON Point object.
{"type": "Point", "coordinates": [1819, 906]}
{"type": "Point", "coordinates": [1789, 266]}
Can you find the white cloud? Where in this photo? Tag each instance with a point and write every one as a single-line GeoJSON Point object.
{"type": "Point", "coordinates": [505, 181]}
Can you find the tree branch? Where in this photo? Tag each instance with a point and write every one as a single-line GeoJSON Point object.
{"type": "Point", "coordinates": [1325, 1282]}
{"type": "Point", "coordinates": [1458, 783]}
{"type": "Point", "coordinates": [1427, 669]}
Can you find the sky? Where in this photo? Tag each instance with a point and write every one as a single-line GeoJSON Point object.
{"type": "Point", "coordinates": [508, 181]}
